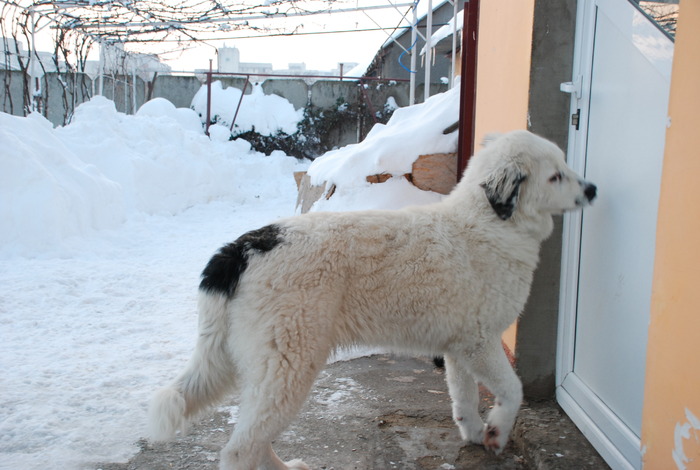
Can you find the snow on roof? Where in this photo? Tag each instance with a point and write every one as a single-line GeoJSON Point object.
{"type": "Point", "coordinates": [422, 12]}
{"type": "Point", "coordinates": [446, 30]}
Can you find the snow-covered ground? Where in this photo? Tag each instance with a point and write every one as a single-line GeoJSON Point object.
{"type": "Point", "coordinates": [105, 226]}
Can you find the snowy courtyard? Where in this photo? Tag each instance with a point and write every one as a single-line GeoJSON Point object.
{"type": "Point", "coordinates": [106, 224]}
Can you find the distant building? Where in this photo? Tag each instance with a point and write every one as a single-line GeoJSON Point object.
{"type": "Point", "coordinates": [119, 61]}
{"type": "Point", "coordinates": [298, 68]}
{"type": "Point", "coordinates": [9, 49]}
{"type": "Point", "coordinates": [116, 61]}
{"type": "Point", "coordinates": [229, 61]}
{"type": "Point", "coordinates": [15, 57]}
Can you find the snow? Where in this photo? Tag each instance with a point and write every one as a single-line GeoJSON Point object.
{"type": "Point", "coordinates": [446, 30]}
{"type": "Point", "coordinates": [106, 225]}
{"type": "Point", "coordinates": [47, 191]}
{"type": "Point", "coordinates": [388, 148]}
{"type": "Point", "coordinates": [360, 69]}
{"type": "Point", "coordinates": [255, 112]}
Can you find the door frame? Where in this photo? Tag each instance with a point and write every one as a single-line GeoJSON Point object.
{"type": "Point", "coordinates": [611, 437]}
{"type": "Point", "coordinates": [571, 392]}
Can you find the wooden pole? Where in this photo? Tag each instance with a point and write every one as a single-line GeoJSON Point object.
{"type": "Point", "coordinates": [467, 108]}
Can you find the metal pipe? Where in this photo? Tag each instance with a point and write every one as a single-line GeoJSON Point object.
{"type": "Point", "coordinates": [206, 129]}
{"type": "Point", "coordinates": [428, 51]}
{"type": "Point", "coordinates": [101, 69]}
{"type": "Point", "coordinates": [414, 53]}
{"type": "Point", "coordinates": [32, 66]}
{"type": "Point", "coordinates": [455, 8]}
{"type": "Point", "coordinates": [372, 112]}
{"type": "Point", "coordinates": [133, 90]}
{"type": "Point", "coordinates": [344, 77]}
{"type": "Point", "coordinates": [245, 87]}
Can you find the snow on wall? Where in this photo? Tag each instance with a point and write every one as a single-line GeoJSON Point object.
{"type": "Point", "coordinates": [254, 112]}
{"type": "Point", "coordinates": [388, 148]}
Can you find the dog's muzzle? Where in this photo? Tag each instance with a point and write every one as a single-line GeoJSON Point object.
{"type": "Point", "coordinates": [590, 191]}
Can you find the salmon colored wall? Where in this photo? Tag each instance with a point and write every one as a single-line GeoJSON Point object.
{"type": "Point", "coordinates": [503, 74]}
{"type": "Point", "coordinates": [671, 416]}
{"type": "Point", "coordinates": [503, 70]}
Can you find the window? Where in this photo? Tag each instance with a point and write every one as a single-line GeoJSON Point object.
{"type": "Point", "coordinates": [663, 13]}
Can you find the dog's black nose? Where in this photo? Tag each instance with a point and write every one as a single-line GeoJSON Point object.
{"type": "Point", "coordinates": [590, 191]}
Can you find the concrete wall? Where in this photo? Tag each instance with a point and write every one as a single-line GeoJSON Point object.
{"type": "Point", "coordinates": [548, 115]}
{"type": "Point", "coordinates": [525, 52]}
{"type": "Point", "coordinates": [296, 91]}
{"type": "Point", "coordinates": [180, 90]}
{"type": "Point", "coordinates": [121, 90]}
{"type": "Point", "coordinates": [671, 414]}
{"type": "Point", "coordinates": [59, 98]}
{"type": "Point", "coordinates": [503, 75]}
{"type": "Point", "coordinates": [12, 98]}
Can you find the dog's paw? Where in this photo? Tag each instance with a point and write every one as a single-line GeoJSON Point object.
{"type": "Point", "coordinates": [473, 433]}
{"type": "Point", "coordinates": [494, 439]}
{"type": "Point", "coordinates": [297, 464]}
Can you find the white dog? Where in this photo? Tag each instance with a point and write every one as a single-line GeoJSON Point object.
{"type": "Point", "coordinates": [441, 279]}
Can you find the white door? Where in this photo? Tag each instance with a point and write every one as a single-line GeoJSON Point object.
{"type": "Point", "coordinates": [622, 70]}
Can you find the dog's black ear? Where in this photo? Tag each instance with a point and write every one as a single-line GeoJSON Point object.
{"type": "Point", "coordinates": [502, 189]}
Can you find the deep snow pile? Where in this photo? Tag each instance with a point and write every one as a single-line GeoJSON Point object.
{"type": "Point", "coordinates": [67, 182]}
{"type": "Point", "coordinates": [388, 148]}
{"type": "Point", "coordinates": [47, 193]}
{"type": "Point", "coordinates": [106, 225]}
{"type": "Point", "coordinates": [253, 112]}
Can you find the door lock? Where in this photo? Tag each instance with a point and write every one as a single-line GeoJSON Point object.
{"type": "Point", "coordinates": [575, 118]}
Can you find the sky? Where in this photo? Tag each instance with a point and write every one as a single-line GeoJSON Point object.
{"type": "Point", "coordinates": [319, 51]}
{"type": "Point", "coordinates": [107, 224]}
{"type": "Point", "coordinates": [318, 43]}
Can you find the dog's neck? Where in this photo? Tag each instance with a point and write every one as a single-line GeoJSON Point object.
{"type": "Point", "coordinates": [538, 226]}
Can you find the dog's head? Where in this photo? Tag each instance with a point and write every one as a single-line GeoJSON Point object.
{"type": "Point", "coordinates": [520, 171]}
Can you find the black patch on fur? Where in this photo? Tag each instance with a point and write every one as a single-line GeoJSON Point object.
{"type": "Point", "coordinates": [502, 201]}
{"type": "Point", "coordinates": [225, 268]}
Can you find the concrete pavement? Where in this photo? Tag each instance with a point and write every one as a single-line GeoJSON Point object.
{"type": "Point", "coordinates": [383, 412]}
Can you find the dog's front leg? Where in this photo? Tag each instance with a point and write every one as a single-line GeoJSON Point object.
{"type": "Point", "coordinates": [464, 392]}
{"type": "Point", "coordinates": [492, 369]}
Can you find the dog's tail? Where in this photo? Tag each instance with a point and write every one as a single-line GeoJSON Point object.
{"type": "Point", "coordinates": [208, 376]}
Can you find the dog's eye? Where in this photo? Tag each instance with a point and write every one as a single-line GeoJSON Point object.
{"type": "Point", "coordinates": [556, 177]}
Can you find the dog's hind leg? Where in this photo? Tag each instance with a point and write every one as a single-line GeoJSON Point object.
{"type": "Point", "coordinates": [493, 369]}
{"type": "Point", "coordinates": [464, 392]}
{"type": "Point", "coordinates": [274, 392]}
{"type": "Point", "coordinates": [264, 412]}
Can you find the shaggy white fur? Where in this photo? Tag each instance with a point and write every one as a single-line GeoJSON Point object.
{"type": "Point", "coordinates": [443, 279]}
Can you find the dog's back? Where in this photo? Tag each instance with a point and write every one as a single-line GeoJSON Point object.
{"type": "Point", "coordinates": [441, 279]}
